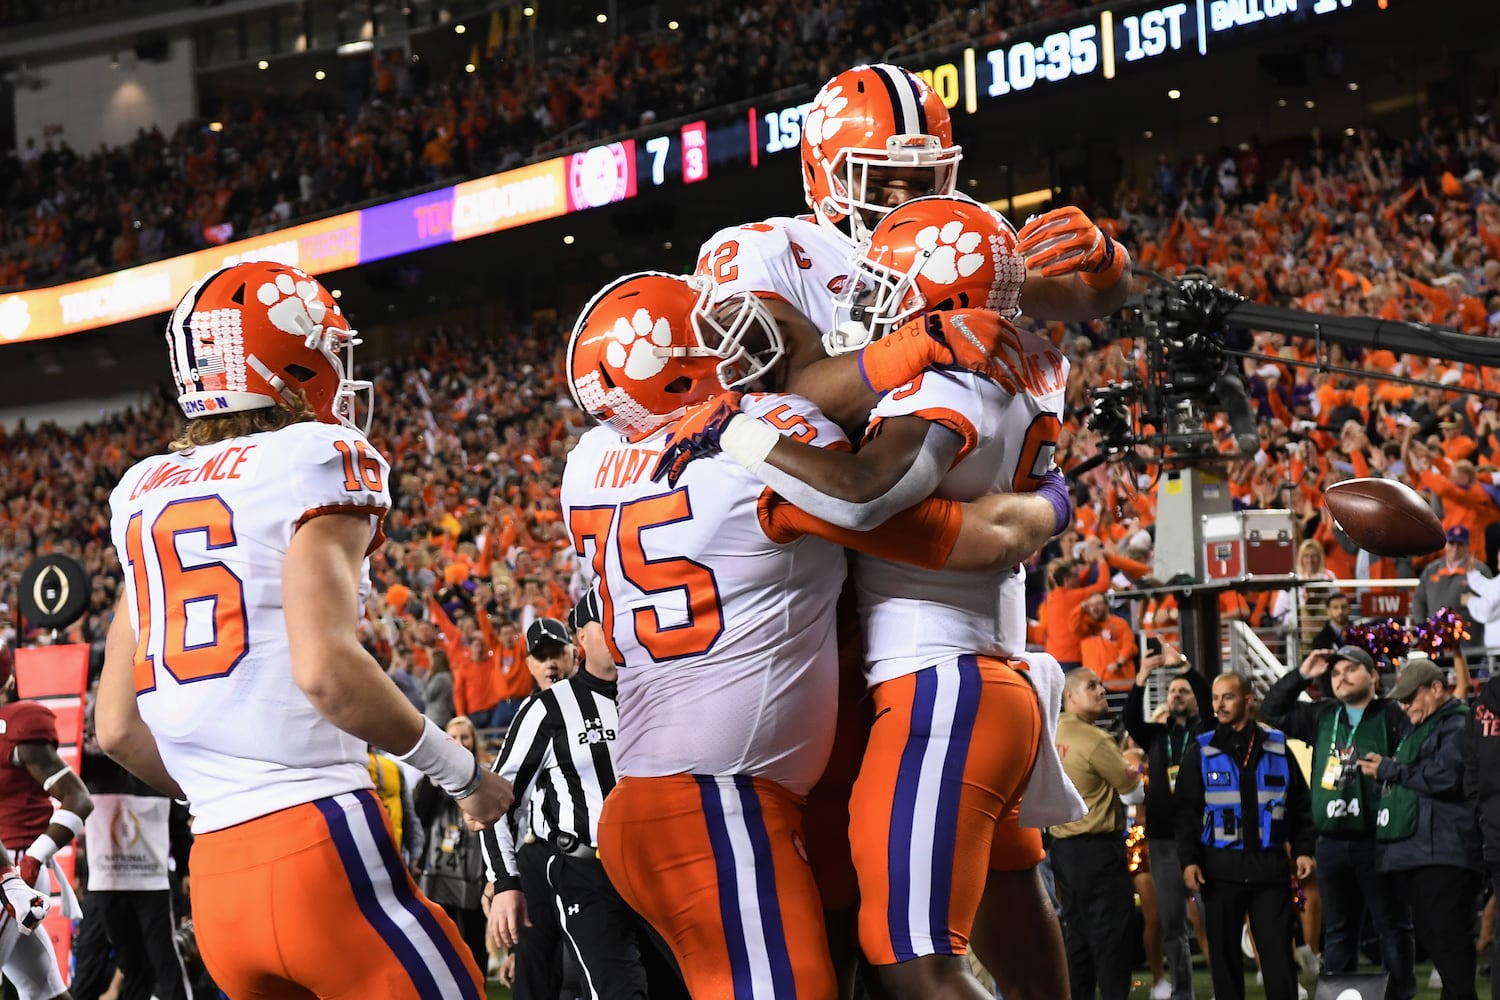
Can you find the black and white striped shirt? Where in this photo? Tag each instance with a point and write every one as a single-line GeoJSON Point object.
{"type": "Point", "coordinates": [559, 755]}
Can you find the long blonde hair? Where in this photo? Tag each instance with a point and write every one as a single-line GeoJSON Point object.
{"type": "Point", "coordinates": [202, 431]}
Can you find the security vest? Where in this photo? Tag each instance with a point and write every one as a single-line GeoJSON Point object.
{"type": "Point", "coordinates": [1344, 801]}
{"type": "Point", "coordinates": [387, 777]}
{"type": "Point", "coordinates": [1223, 821]}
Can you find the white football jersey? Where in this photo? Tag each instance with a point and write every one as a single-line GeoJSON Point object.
{"type": "Point", "coordinates": [724, 635]}
{"type": "Point", "coordinates": [915, 618]}
{"type": "Point", "coordinates": [792, 258]}
{"type": "Point", "coordinates": [202, 536]}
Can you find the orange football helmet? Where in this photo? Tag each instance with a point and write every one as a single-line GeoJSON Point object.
{"type": "Point", "coordinates": [246, 336]}
{"type": "Point", "coordinates": [650, 345]}
{"type": "Point", "coordinates": [931, 253]}
{"type": "Point", "coordinates": [872, 116]}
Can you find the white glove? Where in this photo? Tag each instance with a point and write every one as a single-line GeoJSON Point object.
{"type": "Point", "coordinates": [23, 902]}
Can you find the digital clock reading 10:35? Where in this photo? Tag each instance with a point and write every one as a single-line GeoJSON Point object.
{"type": "Point", "coordinates": [1055, 58]}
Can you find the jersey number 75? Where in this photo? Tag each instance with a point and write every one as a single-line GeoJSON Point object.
{"type": "Point", "coordinates": [623, 528]}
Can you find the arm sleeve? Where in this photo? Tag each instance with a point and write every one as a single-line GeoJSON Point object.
{"type": "Point", "coordinates": [527, 746]}
{"type": "Point", "coordinates": [1285, 712]}
{"type": "Point", "coordinates": [334, 470]}
{"type": "Point", "coordinates": [923, 535]}
{"type": "Point", "coordinates": [1188, 807]}
{"type": "Point", "coordinates": [1471, 758]}
{"type": "Point", "coordinates": [32, 722]}
{"type": "Point", "coordinates": [1110, 764]}
{"type": "Point", "coordinates": [928, 466]}
{"type": "Point", "coordinates": [1144, 733]}
{"type": "Point", "coordinates": [1302, 834]}
{"type": "Point", "coordinates": [1437, 773]}
{"type": "Point", "coordinates": [741, 259]}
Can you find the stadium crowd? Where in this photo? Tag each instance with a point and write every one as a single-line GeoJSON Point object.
{"type": "Point", "coordinates": [69, 214]}
{"type": "Point", "coordinates": [477, 425]}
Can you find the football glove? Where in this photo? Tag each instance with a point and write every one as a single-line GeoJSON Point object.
{"type": "Point", "coordinates": [971, 339]}
{"type": "Point", "coordinates": [695, 435]}
{"type": "Point", "coordinates": [1066, 241]}
{"type": "Point", "coordinates": [22, 902]}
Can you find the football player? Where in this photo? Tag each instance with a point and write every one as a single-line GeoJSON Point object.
{"type": "Point", "coordinates": [24, 909]}
{"type": "Point", "coordinates": [964, 435]}
{"type": "Point", "coordinates": [233, 676]}
{"type": "Point", "coordinates": [878, 136]}
{"type": "Point", "coordinates": [31, 776]}
{"type": "Point", "coordinates": [717, 599]}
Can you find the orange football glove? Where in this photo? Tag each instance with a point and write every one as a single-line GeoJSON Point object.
{"type": "Point", "coordinates": [1066, 241]}
{"type": "Point", "coordinates": [972, 339]}
{"type": "Point", "coordinates": [695, 435]}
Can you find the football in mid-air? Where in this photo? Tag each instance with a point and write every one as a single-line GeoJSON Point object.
{"type": "Point", "coordinates": [1385, 517]}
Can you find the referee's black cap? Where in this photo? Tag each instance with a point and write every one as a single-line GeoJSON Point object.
{"type": "Point", "coordinates": [585, 611]}
{"type": "Point", "coordinates": [545, 633]}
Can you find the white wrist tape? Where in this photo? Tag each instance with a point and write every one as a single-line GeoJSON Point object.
{"type": "Point", "coordinates": [69, 819]}
{"type": "Point", "coordinates": [42, 848]}
{"type": "Point", "coordinates": [748, 440]}
{"type": "Point", "coordinates": [441, 758]}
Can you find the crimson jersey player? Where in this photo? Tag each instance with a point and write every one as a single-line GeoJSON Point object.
{"type": "Point", "coordinates": [31, 776]}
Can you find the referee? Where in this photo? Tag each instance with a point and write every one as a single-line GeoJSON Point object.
{"type": "Point", "coordinates": [559, 752]}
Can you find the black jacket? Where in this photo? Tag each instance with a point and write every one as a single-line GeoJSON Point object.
{"type": "Point", "coordinates": [1299, 720]}
{"type": "Point", "coordinates": [1165, 745]}
{"type": "Point", "coordinates": [1241, 864]}
{"type": "Point", "coordinates": [1482, 766]}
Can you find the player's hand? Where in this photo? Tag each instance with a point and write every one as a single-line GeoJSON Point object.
{"type": "Point", "coordinates": [974, 339]}
{"type": "Point", "coordinates": [1306, 868]}
{"type": "Point", "coordinates": [22, 902]}
{"type": "Point", "coordinates": [488, 803]}
{"type": "Point", "coordinates": [508, 971]}
{"type": "Point", "coordinates": [1192, 877]}
{"type": "Point", "coordinates": [695, 435]}
{"type": "Point", "coordinates": [507, 917]}
{"type": "Point", "coordinates": [30, 869]}
{"type": "Point", "coordinates": [1064, 241]}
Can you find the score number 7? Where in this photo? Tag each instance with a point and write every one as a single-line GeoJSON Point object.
{"type": "Point", "coordinates": [622, 528]}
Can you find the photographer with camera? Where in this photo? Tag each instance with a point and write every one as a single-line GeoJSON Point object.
{"type": "Point", "coordinates": [1348, 722]}
{"type": "Point", "coordinates": [1165, 744]}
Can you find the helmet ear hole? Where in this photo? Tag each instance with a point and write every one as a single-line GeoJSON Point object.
{"type": "Point", "coordinates": [239, 295]}
{"type": "Point", "coordinates": [680, 385]}
{"type": "Point", "coordinates": [300, 372]}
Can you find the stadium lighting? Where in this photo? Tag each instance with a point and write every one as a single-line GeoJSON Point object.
{"type": "Point", "coordinates": [1150, 134]}
{"type": "Point", "coordinates": [1174, 93]}
{"type": "Point", "coordinates": [528, 11]}
{"type": "Point", "coordinates": [337, 293]}
{"type": "Point", "coordinates": [1309, 105]}
{"type": "Point", "coordinates": [216, 126]}
{"type": "Point", "coordinates": [459, 29]}
{"type": "Point", "coordinates": [667, 245]}
{"type": "Point", "coordinates": [1213, 119]}
{"type": "Point", "coordinates": [1350, 131]}
{"type": "Point", "coordinates": [468, 67]}
{"type": "Point", "coordinates": [1353, 85]}
{"type": "Point", "coordinates": [262, 65]}
{"type": "Point", "coordinates": [319, 75]}
{"type": "Point", "coordinates": [568, 240]}
{"type": "Point", "coordinates": [672, 25]}
{"type": "Point", "coordinates": [1281, 103]}
{"type": "Point", "coordinates": [601, 18]}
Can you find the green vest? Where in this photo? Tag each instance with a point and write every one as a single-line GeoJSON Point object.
{"type": "Point", "coordinates": [1397, 818]}
{"type": "Point", "coordinates": [1343, 800]}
